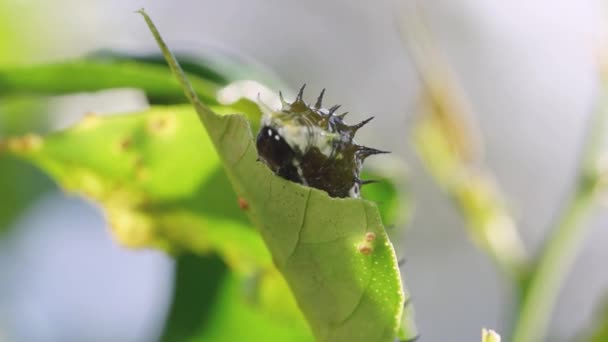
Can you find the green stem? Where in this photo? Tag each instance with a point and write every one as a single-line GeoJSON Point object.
{"type": "Point", "coordinates": [562, 247]}
{"type": "Point", "coordinates": [553, 266]}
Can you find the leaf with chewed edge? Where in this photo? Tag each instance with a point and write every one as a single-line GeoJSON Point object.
{"type": "Point", "coordinates": [334, 253]}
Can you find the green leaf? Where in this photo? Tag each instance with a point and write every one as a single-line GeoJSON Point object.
{"type": "Point", "coordinates": [197, 281]}
{"type": "Point", "coordinates": [92, 74]}
{"type": "Point", "coordinates": [104, 71]}
{"type": "Point", "coordinates": [334, 253]}
{"type": "Point", "coordinates": [17, 39]}
{"type": "Point", "coordinates": [128, 164]}
{"type": "Point", "coordinates": [389, 191]}
{"type": "Point", "coordinates": [213, 305]}
{"type": "Point", "coordinates": [200, 67]}
{"type": "Point", "coordinates": [20, 183]}
{"type": "Point", "coordinates": [157, 178]}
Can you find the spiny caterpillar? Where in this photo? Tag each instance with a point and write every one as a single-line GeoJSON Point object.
{"type": "Point", "coordinates": [313, 146]}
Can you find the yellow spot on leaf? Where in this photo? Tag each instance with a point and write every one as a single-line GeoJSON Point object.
{"type": "Point", "coordinates": [162, 124]}
{"type": "Point", "coordinates": [26, 143]}
{"type": "Point", "coordinates": [130, 228]}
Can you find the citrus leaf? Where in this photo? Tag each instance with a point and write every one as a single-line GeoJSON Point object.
{"type": "Point", "coordinates": [92, 74]}
{"type": "Point", "coordinates": [159, 182]}
{"type": "Point", "coordinates": [111, 160]}
{"type": "Point", "coordinates": [197, 282]}
{"type": "Point", "coordinates": [200, 67]}
{"type": "Point", "coordinates": [209, 309]}
{"type": "Point", "coordinates": [389, 190]}
{"type": "Point", "coordinates": [103, 72]}
{"type": "Point", "coordinates": [334, 253]}
{"type": "Point", "coordinates": [157, 178]}
{"type": "Point", "coordinates": [20, 183]}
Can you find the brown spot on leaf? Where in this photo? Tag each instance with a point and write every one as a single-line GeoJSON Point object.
{"type": "Point", "coordinates": [162, 124]}
{"type": "Point", "coordinates": [243, 204]}
{"type": "Point", "coordinates": [159, 123]}
{"type": "Point", "coordinates": [370, 236]}
{"type": "Point", "coordinates": [125, 143]}
{"type": "Point", "coordinates": [365, 249]}
{"type": "Point", "coordinates": [26, 143]}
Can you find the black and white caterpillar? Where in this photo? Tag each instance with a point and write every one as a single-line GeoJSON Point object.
{"type": "Point", "coordinates": [311, 145]}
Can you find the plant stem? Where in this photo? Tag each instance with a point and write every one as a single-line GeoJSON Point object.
{"type": "Point", "coordinates": [449, 144]}
{"type": "Point", "coordinates": [562, 247]}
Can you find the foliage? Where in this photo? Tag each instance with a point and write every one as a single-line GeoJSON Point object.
{"type": "Point", "coordinates": [160, 183]}
{"type": "Point", "coordinates": [275, 259]}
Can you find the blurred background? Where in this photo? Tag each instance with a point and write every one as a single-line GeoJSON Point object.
{"type": "Point", "coordinates": [528, 67]}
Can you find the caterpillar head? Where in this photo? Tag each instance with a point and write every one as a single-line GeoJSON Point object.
{"type": "Point", "coordinates": [311, 145]}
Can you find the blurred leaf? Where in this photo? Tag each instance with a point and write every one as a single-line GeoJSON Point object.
{"type": "Point", "coordinates": [20, 184]}
{"type": "Point", "coordinates": [157, 178]}
{"type": "Point", "coordinates": [213, 63]}
{"type": "Point", "coordinates": [21, 114]}
{"type": "Point", "coordinates": [133, 165]}
{"type": "Point", "coordinates": [98, 74]}
{"type": "Point", "coordinates": [17, 42]}
{"type": "Point", "coordinates": [239, 318]}
{"type": "Point", "coordinates": [103, 72]}
{"type": "Point", "coordinates": [213, 305]}
{"type": "Point", "coordinates": [197, 281]}
{"type": "Point", "coordinates": [386, 197]}
{"type": "Point", "coordinates": [197, 66]}
{"type": "Point", "coordinates": [334, 253]}
{"type": "Point", "coordinates": [389, 190]}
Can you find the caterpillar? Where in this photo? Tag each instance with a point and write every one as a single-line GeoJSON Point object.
{"type": "Point", "coordinates": [312, 145]}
